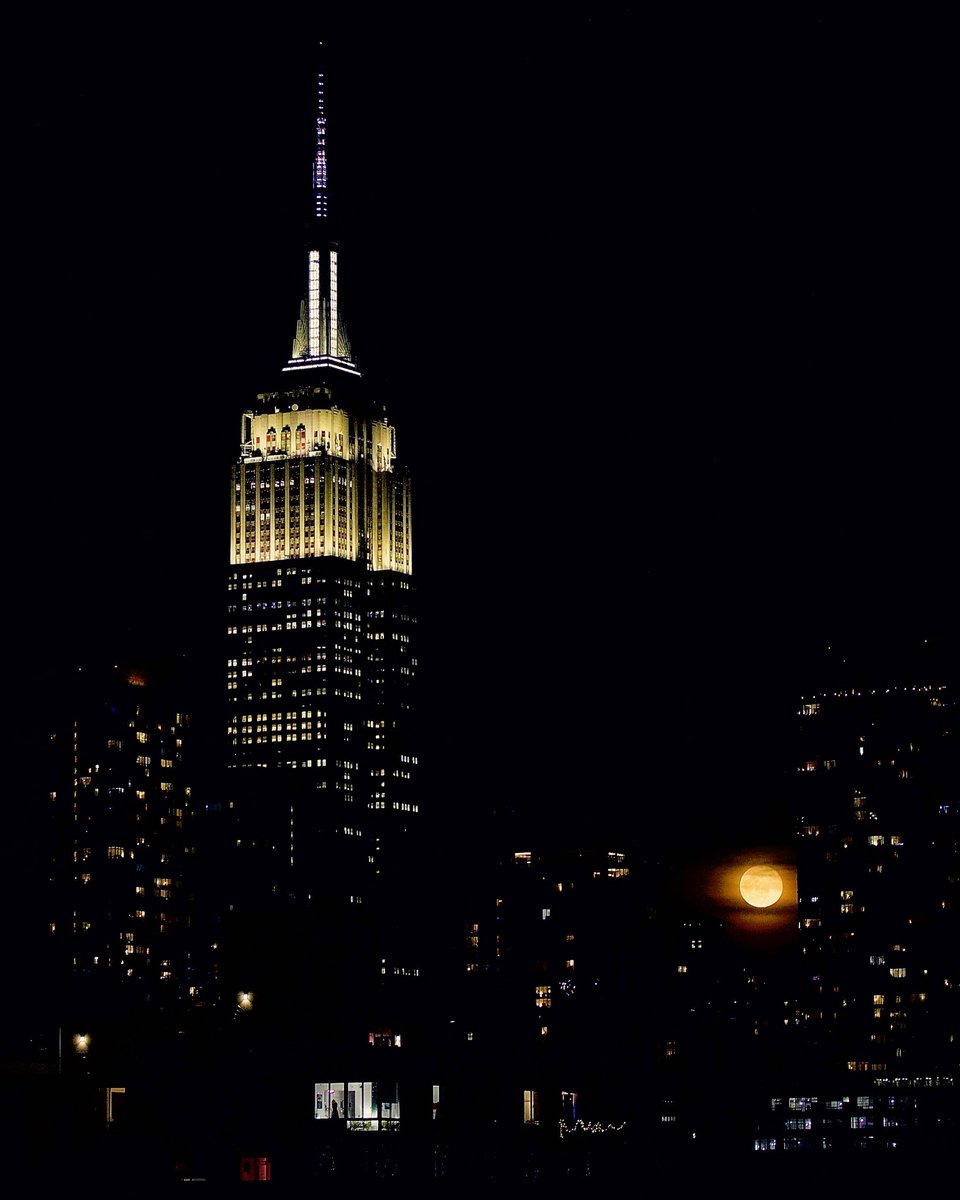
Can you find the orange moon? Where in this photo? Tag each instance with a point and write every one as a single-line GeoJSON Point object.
{"type": "Point", "coordinates": [761, 886]}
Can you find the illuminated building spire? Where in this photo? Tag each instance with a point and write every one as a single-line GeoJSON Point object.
{"type": "Point", "coordinates": [321, 337]}
{"type": "Point", "coordinates": [320, 156]}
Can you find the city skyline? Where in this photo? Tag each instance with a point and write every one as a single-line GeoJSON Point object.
{"type": "Point", "coordinates": [673, 232]}
{"type": "Point", "coordinates": [651, 420]}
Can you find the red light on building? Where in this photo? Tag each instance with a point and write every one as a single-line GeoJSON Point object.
{"type": "Point", "coordinates": [254, 1170]}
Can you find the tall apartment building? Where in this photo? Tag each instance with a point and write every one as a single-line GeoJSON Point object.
{"type": "Point", "coordinates": [878, 873]}
{"type": "Point", "coordinates": [123, 852]}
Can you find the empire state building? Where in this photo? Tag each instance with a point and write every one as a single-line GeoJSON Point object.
{"type": "Point", "coordinates": [321, 659]}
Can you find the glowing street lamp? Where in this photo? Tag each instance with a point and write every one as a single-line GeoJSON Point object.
{"type": "Point", "coordinates": [245, 1001]}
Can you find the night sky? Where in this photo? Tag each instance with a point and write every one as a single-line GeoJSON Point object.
{"type": "Point", "coordinates": [663, 309]}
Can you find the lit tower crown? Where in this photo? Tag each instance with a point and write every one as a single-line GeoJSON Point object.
{"type": "Point", "coordinates": [321, 338]}
{"type": "Point", "coordinates": [317, 473]}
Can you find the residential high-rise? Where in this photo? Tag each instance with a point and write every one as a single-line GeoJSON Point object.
{"type": "Point", "coordinates": [321, 801]}
{"type": "Point", "coordinates": [878, 868]}
{"type": "Point", "coordinates": [124, 847]}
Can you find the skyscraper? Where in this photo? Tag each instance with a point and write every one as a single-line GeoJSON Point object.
{"type": "Point", "coordinates": [321, 802]}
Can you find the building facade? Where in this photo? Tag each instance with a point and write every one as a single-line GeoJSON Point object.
{"type": "Point", "coordinates": [878, 870]}
{"type": "Point", "coordinates": [124, 847]}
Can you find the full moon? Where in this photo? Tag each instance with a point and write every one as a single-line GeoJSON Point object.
{"type": "Point", "coordinates": [761, 886]}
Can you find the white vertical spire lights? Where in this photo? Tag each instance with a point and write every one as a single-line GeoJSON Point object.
{"type": "Point", "coordinates": [332, 333]}
{"type": "Point", "coordinates": [323, 330]}
{"type": "Point", "coordinates": [314, 349]}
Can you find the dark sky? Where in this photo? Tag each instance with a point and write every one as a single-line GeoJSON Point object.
{"type": "Point", "coordinates": [664, 310]}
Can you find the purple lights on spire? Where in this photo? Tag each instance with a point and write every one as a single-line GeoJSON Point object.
{"type": "Point", "coordinates": [321, 339]}
{"type": "Point", "coordinates": [320, 158]}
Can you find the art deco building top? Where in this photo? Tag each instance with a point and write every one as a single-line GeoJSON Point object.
{"type": "Point", "coordinates": [321, 338]}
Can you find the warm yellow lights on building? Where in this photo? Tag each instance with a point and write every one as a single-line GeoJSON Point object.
{"type": "Point", "coordinates": [316, 482]}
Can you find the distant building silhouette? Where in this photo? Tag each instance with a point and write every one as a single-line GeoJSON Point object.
{"type": "Point", "coordinates": [123, 848]}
